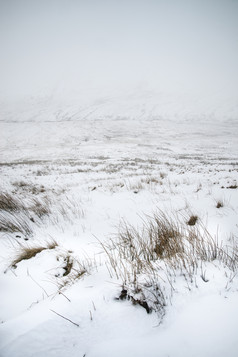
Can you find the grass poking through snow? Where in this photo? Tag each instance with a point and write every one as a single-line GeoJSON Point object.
{"type": "Point", "coordinates": [150, 260]}
{"type": "Point", "coordinates": [192, 220]}
{"type": "Point", "coordinates": [26, 253]}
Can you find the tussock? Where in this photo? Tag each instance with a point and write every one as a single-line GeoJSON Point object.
{"type": "Point", "coordinates": [150, 259]}
{"type": "Point", "coordinates": [74, 269]}
{"type": "Point", "coordinates": [27, 252]}
{"type": "Point", "coordinates": [16, 223]}
{"type": "Point", "coordinates": [219, 204]}
{"type": "Point", "coordinates": [9, 203]}
{"type": "Point", "coordinates": [192, 220]}
{"type": "Point", "coordinates": [40, 207]}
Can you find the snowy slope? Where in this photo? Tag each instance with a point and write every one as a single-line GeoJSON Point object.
{"type": "Point", "coordinates": [127, 103]}
{"type": "Point", "coordinates": [118, 178]}
{"type": "Point", "coordinates": [92, 175]}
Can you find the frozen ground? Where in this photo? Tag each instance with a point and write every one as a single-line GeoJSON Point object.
{"type": "Point", "coordinates": [76, 179]}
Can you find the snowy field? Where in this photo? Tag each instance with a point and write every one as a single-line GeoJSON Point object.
{"type": "Point", "coordinates": [118, 178]}
{"type": "Point", "coordinates": [118, 233]}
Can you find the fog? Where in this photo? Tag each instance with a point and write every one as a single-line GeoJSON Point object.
{"type": "Point", "coordinates": [174, 46]}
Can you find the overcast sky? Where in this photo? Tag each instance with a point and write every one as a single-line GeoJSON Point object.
{"type": "Point", "coordinates": [173, 45]}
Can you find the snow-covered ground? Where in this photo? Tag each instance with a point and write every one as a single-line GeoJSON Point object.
{"type": "Point", "coordinates": [118, 178]}
{"type": "Point", "coordinates": [74, 178]}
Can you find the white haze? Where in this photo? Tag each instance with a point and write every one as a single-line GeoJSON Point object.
{"type": "Point", "coordinates": [99, 46]}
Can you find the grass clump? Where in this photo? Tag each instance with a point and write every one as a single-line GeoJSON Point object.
{"type": "Point", "coordinates": [52, 245]}
{"type": "Point", "coordinates": [16, 216]}
{"type": "Point", "coordinates": [73, 270]}
{"type": "Point", "coordinates": [29, 187]}
{"type": "Point", "coordinates": [9, 203]}
{"type": "Point", "coordinates": [219, 204]}
{"type": "Point", "coordinates": [192, 220]}
{"type": "Point", "coordinates": [233, 187]}
{"type": "Point", "coordinates": [15, 223]}
{"type": "Point", "coordinates": [164, 236]}
{"type": "Point", "coordinates": [68, 265]}
{"type": "Point", "coordinates": [39, 207]}
{"type": "Point", "coordinates": [150, 259]}
{"type": "Point", "coordinates": [26, 253]}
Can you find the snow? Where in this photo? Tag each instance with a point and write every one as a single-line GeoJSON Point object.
{"type": "Point", "coordinates": [97, 174]}
{"type": "Point", "coordinates": [114, 114]}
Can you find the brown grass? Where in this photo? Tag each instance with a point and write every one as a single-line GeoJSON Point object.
{"type": "Point", "coordinates": [27, 253]}
{"type": "Point", "coordinates": [68, 265]}
{"type": "Point", "coordinates": [192, 220]}
{"type": "Point", "coordinates": [162, 247]}
{"type": "Point", "coordinates": [219, 204]}
{"type": "Point", "coordinates": [9, 203]}
{"type": "Point", "coordinates": [39, 207]}
{"type": "Point", "coordinates": [16, 216]}
{"type": "Point", "coordinates": [15, 223]}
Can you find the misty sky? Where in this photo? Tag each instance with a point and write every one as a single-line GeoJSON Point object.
{"type": "Point", "coordinates": [172, 45]}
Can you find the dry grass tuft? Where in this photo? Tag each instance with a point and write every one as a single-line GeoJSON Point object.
{"type": "Point", "coordinates": [29, 187]}
{"type": "Point", "coordinates": [16, 216]}
{"type": "Point", "coordinates": [192, 220]}
{"type": "Point", "coordinates": [9, 203]}
{"type": "Point", "coordinates": [161, 251]}
{"type": "Point", "coordinates": [15, 223]}
{"type": "Point", "coordinates": [68, 265]}
{"type": "Point", "coordinates": [73, 271]}
{"type": "Point", "coordinates": [39, 207]}
{"type": "Point", "coordinates": [219, 204]}
{"type": "Point", "coordinates": [165, 236]}
{"type": "Point", "coordinates": [52, 245]}
{"type": "Point", "coordinates": [26, 253]}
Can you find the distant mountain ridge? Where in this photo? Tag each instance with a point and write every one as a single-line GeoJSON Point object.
{"type": "Point", "coordinates": [133, 105]}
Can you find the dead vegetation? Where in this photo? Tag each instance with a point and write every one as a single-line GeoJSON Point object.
{"type": "Point", "coordinates": [29, 187]}
{"type": "Point", "coordinates": [23, 213]}
{"type": "Point", "coordinates": [29, 252]}
{"type": "Point", "coordinates": [18, 215]}
{"type": "Point", "coordinates": [192, 220]}
{"type": "Point", "coordinates": [40, 207]}
{"type": "Point", "coordinates": [28, 204]}
{"type": "Point", "coordinates": [68, 265]}
{"type": "Point", "coordinates": [148, 260]}
{"type": "Point", "coordinates": [233, 187]}
{"type": "Point", "coordinates": [219, 204]}
{"type": "Point", "coordinates": [9, 203]}
{"type": "Point", "coordinates": [16, 223]}
{"type": "Point", "coordinates": [68, 268]}
{"type": "Point", "coordinates": [73, 270]}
